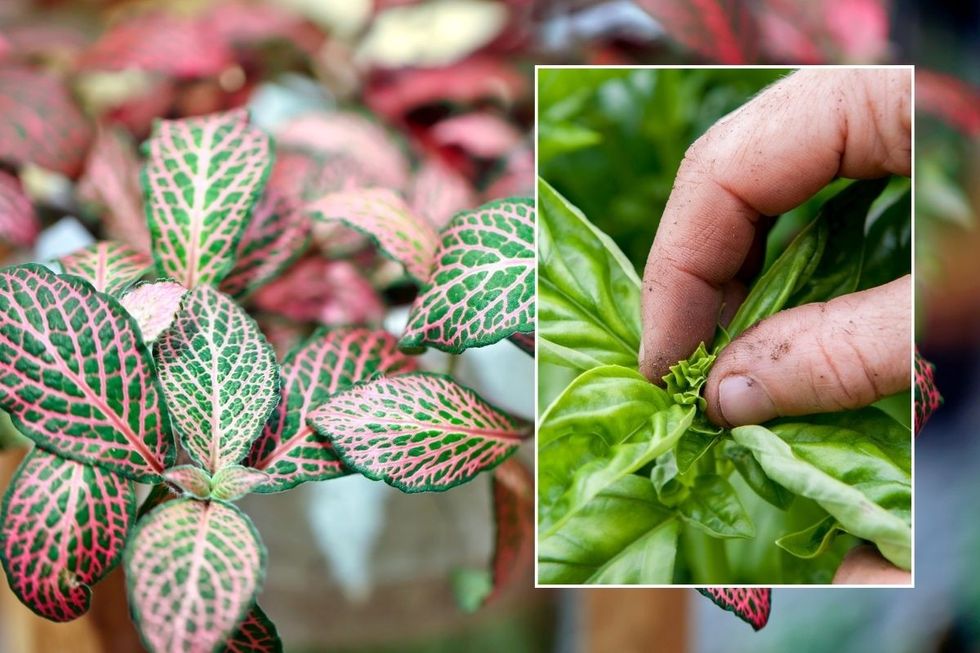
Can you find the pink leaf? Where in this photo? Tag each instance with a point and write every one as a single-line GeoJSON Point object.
{"type": "Point", "coordinates": [356, 137]}
{"type": "Point", "coordinates": [77, 378]}
{"type": "Point", "coordinates": [517, 177]}
{"type": "Point", "coordinates": [800, 32]}
{"type": "Point", "coordinates": [112, 181]}
{"type": "Point", "coordinates": [220, 378]}
{"type": "Point", "coordinates": [719, 30]}
{"type": "Point", "coordinates": [275, 237]}
{"type": "Point", "coordinates": [41, 123]}
{"type": "Point", "coordinates": [476, 78]}
{"type": "Point", "coordinates": [19, 225]}
{"type": "Point", "coordinates": [154, 306]}
{"type": "Point", "coordinates": [858, 28]}
{"type": "Point", "coordinates": [304, 174]}
{"type": "Point", "coordinates": [751, 605]}
{"type": "Point", "coordinates": [161, 42]}
{"type": "Point", "coordinates": [289, 450]}
{"type": "Point", "coordinates": [513, 507]}
{"type": "Point", "coordinates": [482, 287]}
{"type": "Point", "coordinates": [64, 527]}
{"type": "Point", "coordinates": [333, 293]}
{"type": "Point", "coordinates": [203, 177]}
{"type": "Point", "coordinates": [385, 217]}
{"type": "Point", "coordinates": [192, 570]}
{"type": "Point", "coordinates": [191, 480]}
{"type": "Point", "coordinates": [439, 192]}
{"type": "Point", "coordinates": [950, 99]}
{"type": "Point", "coordinates": [238, 22]}
{"type": "Point", "coordinates": [927, 397]}
{"type": "Point", "coordinates": [109, 266]}
{"type": "Point", "coordinates": [257, 634]}
{"type": "Point", "coordinates": [418, 432]}
{"type": "Point", "coordinates": [480, 134]}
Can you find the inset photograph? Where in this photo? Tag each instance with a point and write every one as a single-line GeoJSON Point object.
{"type": "Point", "coordinates": [725, 326]}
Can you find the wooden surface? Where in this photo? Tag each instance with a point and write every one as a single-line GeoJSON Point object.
{"type": "Point", "coordinates": [105, 629]}
{"type": "Point", "coordinates": [635, 620]}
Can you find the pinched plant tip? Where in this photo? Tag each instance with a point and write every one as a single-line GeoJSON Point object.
{"type": "Point", "coordinates": [686, 378]}
{"type": "Point", "coordinates": [927, 397]}
{"type": "Point", "coordinates": [751, 605]}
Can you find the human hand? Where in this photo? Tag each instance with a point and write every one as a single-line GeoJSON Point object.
{"type": "Point", "coordinates": [863, 565]}
{"type": "Point", "coordinates": [766, 158]}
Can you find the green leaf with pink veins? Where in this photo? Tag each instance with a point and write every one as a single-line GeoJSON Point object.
{"type": "Point", "coordinates": [418, 432]}
{"type": "Point", "coordinates": [76, 376]}
{"type": "Point", "coordinates": [109, 266]}
{"type": "Point", "coordinates": [220, 377]}
{"type": "Point", "coordinates": [203, 177]}
{"type": "Point", "coordinates": [193, 569]}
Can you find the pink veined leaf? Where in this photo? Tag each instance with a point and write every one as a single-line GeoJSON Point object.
{"type": "Point", "coordinates": [19, 225]}
{"type": "Point", "coordinates": [41, 123]}
{"type": "Point", "coordinates": [719, 30]}
{"type": "Point", "coordinates": [787, 32]}
{"type": "Point", "coordinates": [203, 177]}
{"type": "Point", "coordinates": [387, 219]}
{"type": "Point", "coordinates": [275, 237]}
{"type": "Point", "coordinates": [39, 38]}
{"type": "Point", "coordinates": [482, 287]}
{"type": "Point", "coordinates": [109, 266]}
{"type": "Point", "coordinates": [798, 31]}
{"type": "Point", "coordinates": [927, 397]}
{"type": "Point", "coordinates": [235, 481]}
{"type": "Point", "coordinates": [480, 134]}
{"type": "Point", "coordinates": [138, 112]}
{"type": "Point", "coordinates": [256, 634]}
{"type": "Point", "coordinates": [354, 136]}
{"type": "Point", "coordinates": [190, 479]}
{"type": "Point", "coordinates": [751, 605]}
{"type": "Point", "coordinates": [193, 569]}
{"type": "Point", "coordinates": [952, 100]}
{"type": "Point", "coordinates": [418, 432]}
{"type": "Point", "coordinates": [220, 377]}
{"type": "Point", "coordinates": [303, 174]}
{"type": "Point", "coordinates": [476, 78]}
{"type": "Point", "coordinates": [858, 28]}
{"type": "Point", "coordinates": [513, 507]}
{"type": "Point", "coordinates": [112, 181]}
{"type": "Point", "coordinates": [160, 42]}
{"type": "Point", "coordinates": [77, 378]}
{"type": "Point", "coordinates": [332, 293]}
{"type": "Point", "coordinates": [289, 450]}
{"type": "Point", "coordinates": [524, 341]}
{"type": "Point", "coordinates": [64, 527]}
{"type": "Point", "coordinates": [154, 306]}
{"type": "Point", "coordinates": [517, 178]}
{"type": "Point", "coordinates": [438, 192]}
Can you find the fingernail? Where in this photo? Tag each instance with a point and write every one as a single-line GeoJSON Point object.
{"type": "Point", "coordinates": [742, 400]}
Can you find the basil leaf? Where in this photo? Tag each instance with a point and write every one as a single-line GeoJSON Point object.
{"type": "Point", "coordinates": [608, 423]}
{"type": "Point", "coordinates": [755, 477]}
{"type": "Point", "coordinates": [845, 472]}
{"type": "Point", "coordinates": [713, 507]}
{"type": "Point", "coordinates": [841, 264]}
{"type": "Point", "coordinates": [888, 246]}
{"type": "Point", "coordinates": [772, 290]}
{"type": "Point", "coordinates": [812, 541]}
{"type": "Point", "coordinates": [588, 293]}
{"type": "Point", "coordinates": [623, 535]}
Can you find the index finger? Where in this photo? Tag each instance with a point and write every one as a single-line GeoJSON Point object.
{"type": "Point", "coordinates": [765, 158]}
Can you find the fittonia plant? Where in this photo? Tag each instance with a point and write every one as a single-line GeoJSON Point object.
{"type": "Point", "coordinates": [637, 487]}
{"type": "Point", "coordinates": [170, 382]}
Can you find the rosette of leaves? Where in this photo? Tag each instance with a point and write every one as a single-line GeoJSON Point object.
{"type": "Point", "coordinates": [637, 487]}
{"type": "Point", "coordinates": [122, 380]}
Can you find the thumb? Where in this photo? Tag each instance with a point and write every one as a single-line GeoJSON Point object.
{"type": "Point", "coordinates": [816, 358]}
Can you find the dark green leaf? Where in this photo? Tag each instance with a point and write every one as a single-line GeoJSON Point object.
{"type": "Point", "coordinates": [713, 507]}
{"type": "Point", "coordinates": [888, 245]}
{"type": "Point", "coordinates": [812, 541]}
{"type": "Point", "coordinates": [755, 477]}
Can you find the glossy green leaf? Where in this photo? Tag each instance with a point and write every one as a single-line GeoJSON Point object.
{"type": "Point", "coordinates": [771, 292]}
{"type": "Point", "coordinates": [839, 269]}
{"type": "Point", "coordinates": [594, 435]}
{"type": "Point", "coordinates": [602, 407]}
{"type": "Point", "coordinates": [847, 473]}
{"type": "Point", "coordinates": [713, 507]}
{"type": "Point", "coordinates": [623, 535]}
{"type": "Point", "coordinates": [812, 541]}
{"type": "Point", "coordinates": [888, 246]}
{"type": "Point", "coordinates": [755, 477]}
{"type": "Point", "coordinates": [588, 293]}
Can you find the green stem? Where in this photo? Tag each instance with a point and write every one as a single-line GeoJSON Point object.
{"type": "Point", "coordinates": [707, 558]}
